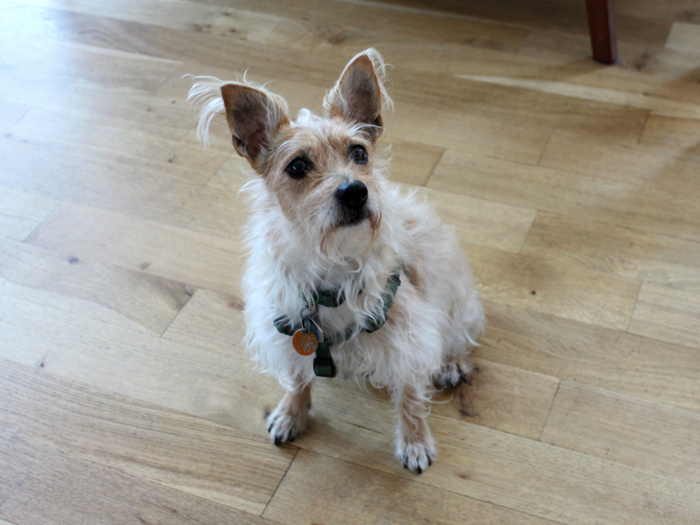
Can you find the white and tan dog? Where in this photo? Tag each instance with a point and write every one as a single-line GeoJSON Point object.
{"type": "Point", "coordinates": [327, 223]}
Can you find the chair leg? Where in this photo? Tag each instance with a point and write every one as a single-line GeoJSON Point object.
{"type": "Point", "coordinates": [601, 24]}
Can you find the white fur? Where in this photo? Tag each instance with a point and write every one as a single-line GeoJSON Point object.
{"type": "Point", "coordinates": [432, 324]}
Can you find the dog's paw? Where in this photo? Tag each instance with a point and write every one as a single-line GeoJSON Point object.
{"type": "Point", "coordinates": [416, 456]}
{"type": "Point", "coordinates": [285, 426]}
{"type": "Point", "coordinates": [453, 373]}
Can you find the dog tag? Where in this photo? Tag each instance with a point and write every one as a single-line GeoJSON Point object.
{"type": "Point", "coordinates": [304, 342]}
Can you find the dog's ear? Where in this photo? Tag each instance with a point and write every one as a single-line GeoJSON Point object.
{"type": "Point", "coordinates": [255, 118]}
{"type": "Point", "coordinates": [359, 93]}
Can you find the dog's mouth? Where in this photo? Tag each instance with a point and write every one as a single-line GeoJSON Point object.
{"type": "Point", "coordinates": [352, 221]}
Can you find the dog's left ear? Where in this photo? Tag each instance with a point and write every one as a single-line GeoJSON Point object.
{"type": "Point", "coordinates": [358, 95]}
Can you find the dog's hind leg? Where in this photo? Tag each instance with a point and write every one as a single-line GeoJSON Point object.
{"type": "Point", "coordinates": [466, 324]}
{"type": "Point", "coordinates": [290, 417]}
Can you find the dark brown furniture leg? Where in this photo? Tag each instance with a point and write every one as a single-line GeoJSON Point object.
{"type": "Point", "coordinates": [601, 23]}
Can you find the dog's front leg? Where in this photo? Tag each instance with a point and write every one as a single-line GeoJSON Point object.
{"type": "Point", "coordinates": [290, 417]}
{"type": "Point", "coordinates": [415, 445]}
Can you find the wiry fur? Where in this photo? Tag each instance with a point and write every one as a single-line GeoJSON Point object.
{"type": "Point", "coordinates": [299, 243]}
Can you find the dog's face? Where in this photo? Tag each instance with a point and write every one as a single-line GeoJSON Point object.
{"type": "Point", "coordinates": [320, 170]}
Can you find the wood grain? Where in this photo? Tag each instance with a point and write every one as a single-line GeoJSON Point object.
{"type": "Point", "coordinates": [128, 396]}
{"type": "Point", "coordinates": [646, 368]}
{"type": "Point", "coordinates": [55, 489]}
{"type": "Point", "coordinates": [684, 37]}
{"type": "Point", "coordinates": [618, 203]}
{"type": "Point", "coordinates": [649, 257]}
{"type": "Point", "coordinates": [678, 134]}
{"type": "Point", "coordinates": [156, 249]}
{"type": "Point", "coordinates": [21, 212]}
{"type": "Point", "coordinates": [543, 284]}
{"type": "Point", "coordinates": [137, 192]}
{"type": "Point", "coordinates": [625, 429]}
{"type": "Point", "coordinates": [667, 314]}
{"type": "Point", "coordinates": [379, 498]}
{"type": "Point", "coordinates": [652, 167]}
{"type": "Point", "coordinates": [146, 300]}
{"type": "Point", "coordinates": [115, 138]}
{"type": "Point", "coordinates": [144, 441]}
{"type": "Point", "coordinates": [478, 221]}
{"type": "Point", "coordinates": [490, 466]}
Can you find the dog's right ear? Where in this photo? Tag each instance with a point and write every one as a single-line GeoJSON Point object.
{"type": "Point", "coordinates": [254, 115]}
{"type": "Point", "coordinates": [255, 118]}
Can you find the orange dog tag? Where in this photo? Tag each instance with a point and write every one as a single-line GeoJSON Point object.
{"type": "Point", "coordinates": [304, 342]}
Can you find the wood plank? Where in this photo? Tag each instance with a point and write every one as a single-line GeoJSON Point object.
{"type": "Point", "coordinates": [413, 58]}
{"type": "Point", "coordinates": [447, 94]}
{"type": "Point", "coordinates": [652, 258]}
{"type": "Point", "coordinates": [303, 24]}
{"type": "Point", "coordinates": [678, 134]}
{"type": "Point", "coordinates": [119, 140]}
{"type": "Point", "coordinates": [149, 301]}
{"type": "Point", "coordinates": [59, 63]}
{"type": "Point", "coordinates": [159, 250]}
{"type": "Point", "coordinates": [474, 461]}
{"type": "Point", "coordinates": [378, 498]}
{"type": "Point", "coordinates": [61, 491]}
{"type": "Point", "coordinates": [147, 442]}
{"type": "Point", "coordinates": [653, 167]}
{"type": "Point", "coordinates": [21, 212]}
{"type": "Point", "coordinates": [10, 114]}
{"type": "Point", "coordinates": [478, 221]}
{"type": "Point", "coordinates": [565, 16]}
{"type": "Point", "coordinates": [466, 133]}
{"type": "Point", "coordinates": [499, 396]}
{"type": "Point", "coordinates": [609, 96]}
{"type": "Point", "coordinates": [105, 183]}
{"type": "Point", "coordinates": [618, 203]}
{"type": "Point", "coordinates": [684, 36]}
{"type": "Point", "coordinates": [637, 366]}
{"type": "Point", "coordinates": [625, 429]}
{"type": "Point", "coordinates": [411, 162]}
{"type": "Point", "coordinates": [667, 314]}
{"type": "Point", "coordinates": [545, 284]}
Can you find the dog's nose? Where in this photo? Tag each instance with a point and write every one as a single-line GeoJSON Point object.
{"type": "Point", "coordinates": [352, 194]}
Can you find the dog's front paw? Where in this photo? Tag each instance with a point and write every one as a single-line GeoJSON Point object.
{"type": "Point", "coordinates": [454, 372]}
{"type": "Point", "coordinates": [416, 456]}
{"type": "Point", "coordinates": [284, 426]}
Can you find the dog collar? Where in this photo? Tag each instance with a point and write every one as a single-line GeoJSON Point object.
{"type": "Point", "coordinates": [323, 362]}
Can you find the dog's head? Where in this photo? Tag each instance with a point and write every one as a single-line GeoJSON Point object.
{"type": "Point", "coordinates": [321, 170]}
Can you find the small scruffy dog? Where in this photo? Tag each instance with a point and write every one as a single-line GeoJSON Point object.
{"type": "Point", "coordinates": [341, 262]}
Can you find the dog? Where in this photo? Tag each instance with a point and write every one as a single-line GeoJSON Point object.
{"type": "Point", "coordinates": [341, 263]}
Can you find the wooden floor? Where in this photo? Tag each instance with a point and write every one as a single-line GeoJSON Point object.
{"type": "Point", "coordinates": [125, 394]}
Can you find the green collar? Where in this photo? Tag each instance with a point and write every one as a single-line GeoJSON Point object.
{"type": "Point", "coordinates": [323, 362]}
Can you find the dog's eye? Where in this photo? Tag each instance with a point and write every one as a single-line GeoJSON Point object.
{"type": "Point", "coordinates": [298, 168]}
{"type": "Point", "coordinates": [358, 154]}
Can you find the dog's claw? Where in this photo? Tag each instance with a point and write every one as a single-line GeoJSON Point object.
{"type": "Point", "coordinates": [430, 461]}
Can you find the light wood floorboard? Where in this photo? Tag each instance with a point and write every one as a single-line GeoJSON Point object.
{"type": "Point", "coordinates": [127, 394]}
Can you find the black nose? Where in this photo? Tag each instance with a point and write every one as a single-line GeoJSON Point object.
{"type": "Point", "coordinates": [352, 194]}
